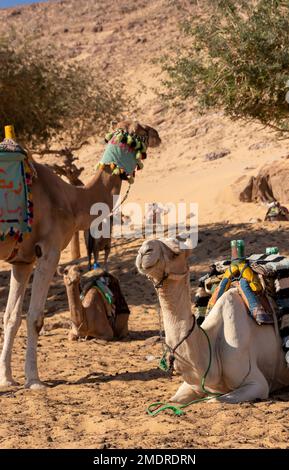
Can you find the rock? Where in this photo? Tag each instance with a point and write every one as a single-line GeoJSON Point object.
{"type": "Point", "coordinates": [66, 30]}
{"type": "Point", "coordinates": [216, 155]}
{"type": "Point", "coordinates": [97, 28]}
{"type": "Point", "coordinates": [140, 40]}
{"type": "Point", "coordinates": [254, 220]}
{"type": "Point", "coordinates": [258, 145]}
{"type": "Point", "coordinates": [150, 358]}
{"type": "Point", "coordinates": [15, 12]}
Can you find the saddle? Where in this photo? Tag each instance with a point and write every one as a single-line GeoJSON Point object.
{"type": "Point", "coordinates": [108, 287]}
{"type": "Point", "coordinates": [273, 274]}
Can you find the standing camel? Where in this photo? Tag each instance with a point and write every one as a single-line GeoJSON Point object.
{"type": "Point", "coordinates": [60, 210]}
{"type": "Point", "coordinates": [247, 359]}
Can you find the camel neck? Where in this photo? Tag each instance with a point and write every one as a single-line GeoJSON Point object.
{"type": "Point", "coordinates": [102, 188]}
{"type": "Point", "coordinates": [74, 302]}
{"type": "Point", "coordinates": [175, 301]}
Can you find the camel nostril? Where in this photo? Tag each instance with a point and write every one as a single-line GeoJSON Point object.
{"type": "Point", "coordinates": [148, 251]}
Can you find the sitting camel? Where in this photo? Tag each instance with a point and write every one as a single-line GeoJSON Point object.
{"type": "Point", "coordinates": [247, 359]}
{"type": "Point", "coordinates": [92, 316]}
{"type": "Point", "coordinates": [60, 210]}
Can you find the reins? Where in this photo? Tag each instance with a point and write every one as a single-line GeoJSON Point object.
{"type": "Point", "coordinates": [156, 408]}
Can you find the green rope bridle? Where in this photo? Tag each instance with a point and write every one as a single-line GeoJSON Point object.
{"type": "Point", "coordinates": [157, 407]}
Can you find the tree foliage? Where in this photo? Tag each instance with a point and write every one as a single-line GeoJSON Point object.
{"type": "Point", "coordinates": [238, 60]}
{"type": "Point", "coordinates": [48, 100]}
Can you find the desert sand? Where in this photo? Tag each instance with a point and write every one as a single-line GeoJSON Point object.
{"type": "Point", "coordinates": [98, 391]}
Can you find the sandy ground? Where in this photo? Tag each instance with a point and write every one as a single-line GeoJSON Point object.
{"type": "Point", "coordinates": [97, 392]}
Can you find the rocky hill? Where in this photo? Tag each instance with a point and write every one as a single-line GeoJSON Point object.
{"type": "Point", "coordinates": [201, 156]}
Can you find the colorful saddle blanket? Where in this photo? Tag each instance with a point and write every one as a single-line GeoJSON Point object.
{"type": "Point", "coordinates": [109, 288]}
{"type": "Point", "coordinates": [16, 208]}
{"type": "Point", "coordinates": [273, 271]}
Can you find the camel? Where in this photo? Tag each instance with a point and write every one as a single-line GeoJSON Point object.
{"type": "Point", "coordinates": [60, 210]}
{"type": "Point", "coordinates": [92, 317]}
{"type": "Point", "coordinates": [247, 359]}
{"type": "Point", "coordinates": [95, 245]}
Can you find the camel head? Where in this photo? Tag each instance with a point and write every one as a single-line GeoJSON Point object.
{"type": "Point", "coordinates": [71, 274]}
{"type": "Point", "coordinates": [157, 258]}
{"type": "Point", "coordinates": [142, 130]}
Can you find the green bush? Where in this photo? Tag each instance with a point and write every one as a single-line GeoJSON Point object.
{"type": "Point", "coordinates": [237, 60]}
{"type": "Point", "coordinates": [48, 100]}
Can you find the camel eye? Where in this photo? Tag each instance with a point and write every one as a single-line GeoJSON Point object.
{"type": "Point", "coordinates": [66, 272]}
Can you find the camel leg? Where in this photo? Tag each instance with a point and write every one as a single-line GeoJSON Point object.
{"type": "Point", "coordinates": [43, 275]}
{"type": "Point", "coordinates": [12, 318]}
{"type": "Point", "coordinates": [95, 253]}
{"type": "Point", "coordinates": [255, 387]}
{"type": "Point", "coordinates": [186, 393]}
{"type": "Point", "coordinates": [106, 255]}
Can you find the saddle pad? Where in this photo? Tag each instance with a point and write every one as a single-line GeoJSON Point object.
{"type": "Point", "coordinates": [15, 195]}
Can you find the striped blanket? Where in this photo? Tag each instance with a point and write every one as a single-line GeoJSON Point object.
{"type": "Point", "coordinates": [16, 208]}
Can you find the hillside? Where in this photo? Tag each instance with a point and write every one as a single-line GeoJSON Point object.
{"type": "Point", "coordinates": [98, 391]}
{"type": "Point", "coordinates": [123, 39]}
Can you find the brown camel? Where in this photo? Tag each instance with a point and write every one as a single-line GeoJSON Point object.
{"type": "Point", "coordinates": [60, 210]}
{"type": "Point", "coordinates": [92, 316]}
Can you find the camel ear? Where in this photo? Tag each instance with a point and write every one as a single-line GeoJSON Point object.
{"type": "Point", "coordinates": [188, 241]}
{"type": "Point", "coordinates": [113, 125]}
{"type": "Point", "coordinates": [172, 244]}
{"type": "Point", "coordinates": [60, 270]}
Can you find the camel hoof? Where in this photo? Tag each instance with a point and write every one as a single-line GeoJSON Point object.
{"type": "Point", "coordinates": [35, 385]}
{"type": "Point", "coordinates": [8, 382]}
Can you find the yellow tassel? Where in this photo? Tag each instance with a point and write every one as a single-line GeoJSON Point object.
{"type": "Point", "coordinates": [116, 171]}
{"type": "Point", "coordinates": [9, 132]}
{"type": "Point", "coordinates": [112, 166]}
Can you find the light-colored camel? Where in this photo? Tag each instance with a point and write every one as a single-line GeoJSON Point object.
{"type": "Point", "coordinates": [247, 360]}
{"type": "Point", "coordinates": [60, 210]}
{"type": "Point", "coordinates": [90, 316]}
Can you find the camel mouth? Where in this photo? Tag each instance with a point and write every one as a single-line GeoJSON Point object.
{"type": "Point", "coordinates": [143, 264]}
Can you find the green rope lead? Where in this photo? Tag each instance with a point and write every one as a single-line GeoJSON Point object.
{"type": "Point", "coordinates": [156, 408]}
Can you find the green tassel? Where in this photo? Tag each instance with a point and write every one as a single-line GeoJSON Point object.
{"type": "Point", "coordinates": [163, 365]}
{"type": "Point", "coordinates": [108, 136]}
{"type": "Point", "coordinates": [138, 155]}
{"type": "Point", "coordinates": [129, 139]}
{"type": "Point", "coordinates": [138, 145]}
{"type": "Point", "coordinates": [118, 137]}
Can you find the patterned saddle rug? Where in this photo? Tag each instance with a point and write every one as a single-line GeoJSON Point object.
{"type": "Point", "coordinates": [16, 207]}
{"type": "Point", "coordinates": [273, 271]}
{"type": "Point", "coordinates": [108, 286]}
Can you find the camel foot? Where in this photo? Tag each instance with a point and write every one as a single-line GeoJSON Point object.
{"type": "Point", "coordinates": [72, 336]}
{"type": "Point", "coordinates": [4, 382]}
{"type": "Point", "coordinates": [35, 385]}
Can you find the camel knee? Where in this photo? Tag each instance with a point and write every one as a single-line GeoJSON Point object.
{"type": "Point", "coordinates": [72, 336]}
{"type": "Point", "coordinates": [12, 320]}
{"type": "Point", "coordinates": [121, 325]}
{"type": "Point", "coordinates": [35, 322]}
{"type": "Point", "coordinates": [185, 394]}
